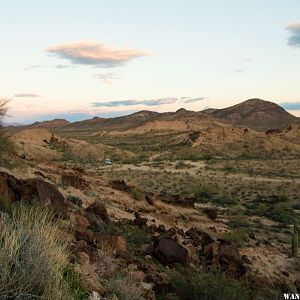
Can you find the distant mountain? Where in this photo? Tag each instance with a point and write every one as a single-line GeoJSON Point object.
{"type": "Point", "coordinates": [113, 124]}
{"type": "Point", "coordinates": [255, 113]}
{"type": "Point", "coordinates": [143, 121]}
{"type": "Point", "coordinates": [56, 123]}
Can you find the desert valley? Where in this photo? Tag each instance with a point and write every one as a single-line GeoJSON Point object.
{"type": "Point", "coordinates": [177, 205]}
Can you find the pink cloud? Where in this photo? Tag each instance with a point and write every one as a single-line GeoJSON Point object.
{"type": "Point", "coordinates": [96, 54]}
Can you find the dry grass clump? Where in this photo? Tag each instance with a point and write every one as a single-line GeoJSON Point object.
{"type": "Point", "coordinates": [125, 288]}
{"type": "Point", "coordinates": [33, 253]}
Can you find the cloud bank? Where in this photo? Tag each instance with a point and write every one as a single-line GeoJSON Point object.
{"type": "Point", "coordinates": [107, 78]}
{"type": "Point", "coordinates": [96, 54]}
{"type": "Point", "coordinates": [192, 100]}
{"type": "Point", "coordinates": [294, 39]}
{"type": "Point", "coordinates": [26, 95]}
{"type": "Point", "coordinates": [148, 102]}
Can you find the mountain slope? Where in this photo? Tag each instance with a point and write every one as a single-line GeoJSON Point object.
{"type": "Point", "coordinates": [255, 113]}
{"type": "Point", "coordinates": [56, 123]}
{"type": "Point", "coordinates": [144, 121]}
{"type": "Point", "coordinates": [113, 124]}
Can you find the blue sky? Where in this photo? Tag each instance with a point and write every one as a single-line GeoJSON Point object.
{"type": "Point", "coordinates": [78, 59]}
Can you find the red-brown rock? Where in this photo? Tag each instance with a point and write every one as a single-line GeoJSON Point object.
{"type": "Point", "coordinates": [168, 252]}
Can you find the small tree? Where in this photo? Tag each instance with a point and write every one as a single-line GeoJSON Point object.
{"type": "Point", "coordinates": [5, 143]}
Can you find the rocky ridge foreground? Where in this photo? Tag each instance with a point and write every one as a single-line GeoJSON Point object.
{"type": "Point", "coordinates": [96, 232]}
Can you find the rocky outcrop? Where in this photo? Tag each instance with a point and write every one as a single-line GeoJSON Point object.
{"type": "Point", "coordinates": [33, 189]}
{"type": "Point", "coordinates": [120, 185]}
{"type": "Point", "coordinates": [169, 252]}
{"type": "Point", "coordinates": [210, 213]}
{"type": "Point", "coordinates": [139, 221]}
{"type": "Point", "coordinates": [73, 179]}
{"type": "Point", "coordinates": [226, 256]}
{"type": "Point", "coordinates": [99, 210]}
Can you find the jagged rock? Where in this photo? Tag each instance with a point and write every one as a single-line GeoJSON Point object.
{"type": "Point", "coordinates": [210, 213]}
{"type": "Point", "coordinates": [120, 185]}
{"type": "Point", "coordinates": [98, 209]}
{"type": "Point", "coordinates": [28, 190]}
{"type": "Point", "coordinates": [168, 252]}
{"type": "Point", "coordinates": [172, 231]}
{"type": "Point", "coordinates": [139, 221]}
{"type": "Point", "coordinates": [198, 237]}
{"type": "Point", "coordinates": [84, 234]}
{"type": "Point", "coordinates": [116, 243]}
{"type": "Point", "coordinates": [192, 252]}
{"type": "Point", "coordinates": [81, 221]}
{"type": "Point", "coordinates": [161, 281]}
{"type": "Point", "coordinates": [177, 200]}
{"type": "Point", "coordinates": [255, 281]}
{"type": "Point", "coordinates": [151, 198]}
{"type": "Point", "coordinates": [73, 179]}
{"type": "Point", "coordinates": [226, 256]}
{"type": "Point", "coordinates": [88, 273]}
{"type": "Point", "coordinates": [96, 223]}
{"type": "Point", "coordinates": [161, 229]}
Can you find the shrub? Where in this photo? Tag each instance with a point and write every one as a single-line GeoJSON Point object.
{"type": "Point", "coordinates": [6, 146]}
{"type": "Point", "coordinates": [33, 252]}
{"type": "Point", "coordinates": [76, 288]}
{"type": "Point", "coordinates": [281, 213]}
{"type": "Point", "coordinates": [203, 193]}
{"type": "Point", "coordinates": [209, 286]}
{"type": "Point", "coordinates": [181, 165]}
{"type": "Point", "coordinates": [225, 199]}
{"type": "Point", "coordinates": [238, 236]}
{"type": "Point", "coordinates": [125, 288]}
{"type": "Point", "coordinates": [137, 194]}
{"type": "Point", "coordinates": [5, 205]}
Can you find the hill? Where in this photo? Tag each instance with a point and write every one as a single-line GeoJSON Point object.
{"type": "Point", "coordinates": [256, 114]}
{"type": "Point", "coordinates": [56, 123]}
{"type": "Point", "coordinates": [144, 121]}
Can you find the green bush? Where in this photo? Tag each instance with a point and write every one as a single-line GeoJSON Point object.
{"type": "Point", "coordinates": [225, 199]}
{"type": "Point", "coordinates": [209, 286]}
{"type": "Point", "coordinates": [76, 288]}
{"type": "Point", "coordinates": [5, 205]}
{"type": "Point", "coordinates": [238, 236]}
{"type": "Point", "coordinates": [203, 193]}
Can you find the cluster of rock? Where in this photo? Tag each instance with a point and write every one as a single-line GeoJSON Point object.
{"type": "Point", "coordinates": [91, 242]}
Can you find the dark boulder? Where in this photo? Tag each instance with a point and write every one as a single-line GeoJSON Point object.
{"type": "Point", "coordinates": [120, 185]}
{"type": "Point", "coordinates": [169, 252]}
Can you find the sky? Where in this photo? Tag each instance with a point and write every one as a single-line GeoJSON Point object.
{"type": "Point", "coordinates": [79, 59]}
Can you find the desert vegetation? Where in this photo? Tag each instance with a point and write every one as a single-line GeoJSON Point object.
{"type": "Point", "coordinates": [204, 211]}
{"type": "Point", "coordinates": [33, 254]}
